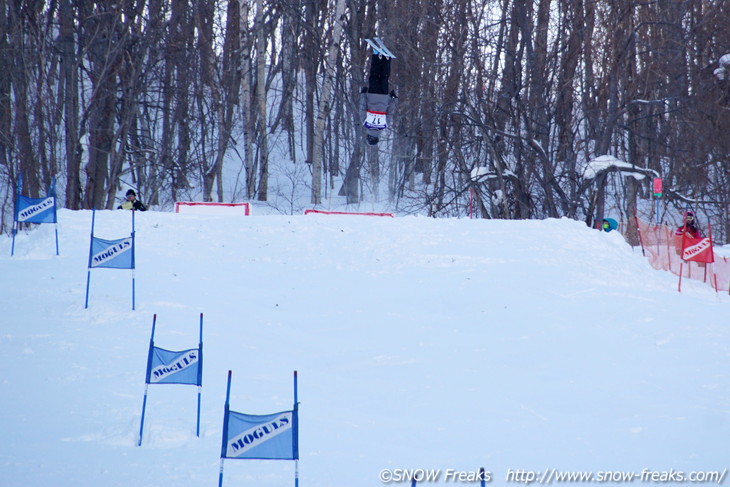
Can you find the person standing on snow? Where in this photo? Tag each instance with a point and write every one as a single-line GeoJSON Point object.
{"type": "Point", "coordinates": [689, 226]}
{"type": "Point", "coordinates": [132, 203]}
{"type": "Point", "coordinates": [376, 103]}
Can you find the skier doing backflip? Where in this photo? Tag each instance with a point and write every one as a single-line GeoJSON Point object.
{"type": "Point", "coordinates": [376, 102]}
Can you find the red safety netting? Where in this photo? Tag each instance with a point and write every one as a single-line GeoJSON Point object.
{"type": "Point", "coordinates": [664, 250]}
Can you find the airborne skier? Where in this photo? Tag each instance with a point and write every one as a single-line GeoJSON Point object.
{"type": "Point", "coordinates": [376, 103]}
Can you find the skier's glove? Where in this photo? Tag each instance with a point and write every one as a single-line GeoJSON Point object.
{"type": "Point", "coordinates": [392, 94]}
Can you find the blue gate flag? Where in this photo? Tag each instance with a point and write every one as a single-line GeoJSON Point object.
{"type": "Point", "coordinates": [112, 254]}
{"type": "Point", "coordinates": [263, 437]}
{"type": "Point", "coordinates": [36, 210]}
{"type": "Point", "coordinates": [168, 367]}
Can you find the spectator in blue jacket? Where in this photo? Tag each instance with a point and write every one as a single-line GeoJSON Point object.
{"type": "Point", "coordinates": [609, 224]}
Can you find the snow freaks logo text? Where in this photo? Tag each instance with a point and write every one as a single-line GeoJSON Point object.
{"type": "Point", "coordinates": [553, 476]}
{"type": "Point", "coordinates": [422, 475]}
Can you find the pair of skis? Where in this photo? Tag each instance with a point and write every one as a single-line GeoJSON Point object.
{"type": "Point", "coordinates": [379, 47]}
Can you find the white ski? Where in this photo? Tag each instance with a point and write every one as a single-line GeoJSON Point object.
{"type": "Point", "coordinates": [380, 47]}
{"type": "Point", "coordinates": [384, 49]}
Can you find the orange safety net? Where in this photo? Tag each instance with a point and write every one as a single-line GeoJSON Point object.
{"type": "Point", "coordinates": [663, 249]}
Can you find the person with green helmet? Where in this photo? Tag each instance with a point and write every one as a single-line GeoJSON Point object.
{"type": "Point", "coordinates": [609, 224]}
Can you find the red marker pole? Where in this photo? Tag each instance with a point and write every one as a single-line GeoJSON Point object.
{"type": "Point", "coordinates": [657, 195]}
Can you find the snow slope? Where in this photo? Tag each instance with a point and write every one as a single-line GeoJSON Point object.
{"type": "Point", "coordinates": [419, 343]}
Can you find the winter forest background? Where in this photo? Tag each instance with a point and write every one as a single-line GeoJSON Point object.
{"type": "Point", "coordinates": [229, 100]}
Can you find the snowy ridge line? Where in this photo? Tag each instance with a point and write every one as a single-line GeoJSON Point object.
{"type": "Point", "coordinates": [323, 212]}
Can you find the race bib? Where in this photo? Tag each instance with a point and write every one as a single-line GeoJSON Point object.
{"type": "Point", "coordinates": [375, 120]}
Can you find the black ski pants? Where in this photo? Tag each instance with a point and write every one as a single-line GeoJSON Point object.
{"type": "Point", "coordinates": [379, 74]}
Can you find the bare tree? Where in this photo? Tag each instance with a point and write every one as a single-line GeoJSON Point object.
{"type": "Point", "coordinates": [324, 103]}
{"type": "Point", "coordinates": [263, 130]}
{"type": "Point", "coordinates": [523, 94]}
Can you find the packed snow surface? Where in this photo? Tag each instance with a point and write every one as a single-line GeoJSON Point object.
{"type": "Point", "coordinates": [419, 344]}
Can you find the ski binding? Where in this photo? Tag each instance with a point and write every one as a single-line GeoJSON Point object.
{"type": "Point", "coordinates": [379, 47]}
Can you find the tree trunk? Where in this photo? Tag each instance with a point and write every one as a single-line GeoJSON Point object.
{"type": "Point", "coordinates": [70, 80]}
{"type": "Point", "coordinates": [226, 97]}
{"type": "Point", "coordinates": [289, 64]}
{"type": "Point", "coordinates": [324, 103]}
{"type": "Point", "coordinates": [263, 136]}
{"type": "Point", "coordinates": [6, 112]}
{"type": "Point", "coordinates": [247, 103]}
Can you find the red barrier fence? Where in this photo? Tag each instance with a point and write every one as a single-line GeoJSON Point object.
{"type": "Point", "coordinates": [323, 212]}
{"type": "Point", "coordinates": [198, 207]}
{"type": "Point", "coordinates": [663, 249]}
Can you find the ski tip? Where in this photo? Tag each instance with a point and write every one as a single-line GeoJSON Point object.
{"type": "Point", "coordinates": [381, 48]}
